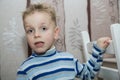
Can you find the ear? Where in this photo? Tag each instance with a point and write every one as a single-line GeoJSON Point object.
{"type": "Point", "coordinates": [57, 31]}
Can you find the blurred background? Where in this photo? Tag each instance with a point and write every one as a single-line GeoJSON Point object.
{"type": "Point", "coordinates": [73, 16]}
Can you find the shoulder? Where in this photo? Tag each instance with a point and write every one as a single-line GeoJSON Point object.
{"type": "Point", "coordinates": [25, 63]}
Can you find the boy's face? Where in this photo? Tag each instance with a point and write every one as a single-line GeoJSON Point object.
{"type": "Point", "coordinates": [41, 31]}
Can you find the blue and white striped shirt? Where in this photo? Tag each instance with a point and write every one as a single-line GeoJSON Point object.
{"type": "Point", "coordinates": [54, 65]}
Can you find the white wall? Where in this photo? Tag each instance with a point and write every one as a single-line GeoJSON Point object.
{"type": "Point", "coordinates": [12, 41]}
{"type": "Point", "coordinates": [75, 21]}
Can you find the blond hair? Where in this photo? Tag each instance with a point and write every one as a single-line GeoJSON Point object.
{"type": "Point", "coordinates": [40, 8]}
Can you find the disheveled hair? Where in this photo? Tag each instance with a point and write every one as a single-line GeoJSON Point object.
{"type": "Point", "coordinates": [40, 8]}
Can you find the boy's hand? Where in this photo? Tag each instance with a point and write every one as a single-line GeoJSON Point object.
{"type": "Point", "coordinates": [103, 42]}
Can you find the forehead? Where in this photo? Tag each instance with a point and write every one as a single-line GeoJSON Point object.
{"type": "Point", "coordinates": [38, 17]}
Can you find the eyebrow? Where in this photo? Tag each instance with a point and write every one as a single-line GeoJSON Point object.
{"type": "Point", "coordinates": [27, 27]}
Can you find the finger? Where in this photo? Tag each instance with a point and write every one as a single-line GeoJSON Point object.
{"type": "Point", "coordinates": [106, 42]}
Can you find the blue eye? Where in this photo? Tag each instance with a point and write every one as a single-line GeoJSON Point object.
{"type": "Point", "coordinates": [44, 29]}
{"type": "Point", "coordinates": [30, 31]}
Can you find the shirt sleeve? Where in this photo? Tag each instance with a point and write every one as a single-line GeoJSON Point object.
{"type": "Point", "coordinates": [88, 70]}
{"type": "Point", "coordinates": [21, 76]}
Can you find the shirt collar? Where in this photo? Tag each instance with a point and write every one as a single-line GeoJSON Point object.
{"type": "Point", "coordinates": [50, 52]}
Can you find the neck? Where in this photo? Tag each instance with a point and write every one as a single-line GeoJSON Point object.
{"type": "Point", "coordinates": [48, 52]}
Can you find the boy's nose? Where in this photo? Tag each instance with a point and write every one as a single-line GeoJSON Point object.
{"type": "Point", "coordinates": [37, 34]}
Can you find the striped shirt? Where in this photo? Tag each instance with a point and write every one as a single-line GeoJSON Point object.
{"type": "Point", "coordinates": [54, 65]}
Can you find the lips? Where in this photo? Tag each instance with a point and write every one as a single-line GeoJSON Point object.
{"type": "Point", "coordinates": [39, 44]}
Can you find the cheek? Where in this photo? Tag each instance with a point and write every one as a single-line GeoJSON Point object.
{"type": "Point", "coordinates": [49, 36]}
{"type": "Point", "coordinates": [29, 40]}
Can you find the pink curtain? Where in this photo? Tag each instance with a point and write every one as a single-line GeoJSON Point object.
{"type": "Point", "coordinates": [103, 13]}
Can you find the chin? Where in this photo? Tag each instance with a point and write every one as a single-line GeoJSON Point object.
{"type": "Point", "coordinates": [41, 51]}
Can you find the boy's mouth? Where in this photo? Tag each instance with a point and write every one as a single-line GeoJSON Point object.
{"type": "Point", "coordinates": [39, 44]}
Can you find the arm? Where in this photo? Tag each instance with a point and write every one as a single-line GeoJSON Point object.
{"type": "Point", "coordinates": [21, 76]}
{"type": "Point", "coordinates": [88, 70]}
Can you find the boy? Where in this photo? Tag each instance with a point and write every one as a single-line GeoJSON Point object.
{"type": "Point", "coordinates": [46, 63]}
